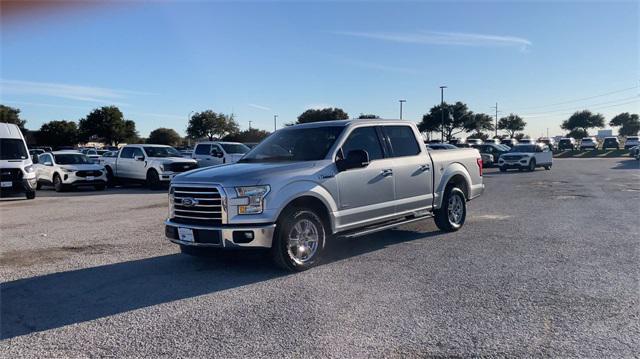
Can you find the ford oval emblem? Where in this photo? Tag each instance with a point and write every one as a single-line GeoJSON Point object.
{"type": "Point", "coordinates": [189, 202]}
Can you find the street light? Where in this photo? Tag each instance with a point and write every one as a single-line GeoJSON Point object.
{"type": "Point", "coordinates": [250, 125]}
{"type": "Point", "coordinates": [275, 123]}
{"type": "Point", "coordinates": [442, 111]}
{"type": "Point", "coordinates": [401, 102]}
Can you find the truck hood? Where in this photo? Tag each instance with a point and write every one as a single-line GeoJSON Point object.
{"type": "Point", "coordinates": [235, 174]}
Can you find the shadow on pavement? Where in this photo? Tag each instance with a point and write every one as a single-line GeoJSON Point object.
{"type": "Point", "coordinates": [47, 191]}
{"type": "Point", "coordinates": [631, 164]}
{"type": "Point", "coordinates": [55, 300]}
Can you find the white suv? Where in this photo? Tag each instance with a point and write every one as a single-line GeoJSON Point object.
{"type": "Point", "coordinates": [631, 141]}
{"type": "Point", "coordinates": [65, 169]}
{"type": "Point", "coordinates": [528, 157]}
{"type": "Point", "coordinates": [589, 143]}
{"type": "Point", "coordinates": [216, 153]}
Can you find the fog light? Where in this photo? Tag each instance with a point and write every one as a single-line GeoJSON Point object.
{"type": "Point", "coordinates": [242, 236]}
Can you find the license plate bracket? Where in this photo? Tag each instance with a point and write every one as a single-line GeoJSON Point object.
{"type": "Point", "coordinates": [5, 184]}
{"type": "Point", "coordinates": [186, 234]}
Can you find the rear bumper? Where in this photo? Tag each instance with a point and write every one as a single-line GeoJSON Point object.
{"type": "Point", "coordinates": [476, 190]}
{"type": "Point", "coordinates": [227, 236]}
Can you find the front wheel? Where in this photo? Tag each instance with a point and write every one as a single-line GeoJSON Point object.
{"type": "Point", "coordinates": [31, 194]}
{"type": "Point", "coordinates": [153, 179]}
{"type": "Point", "coordinates": [532, 165]}
{"type": "Point", "coordinates": [57, 183]}
{"type": "Point", "coordinates": [299, 239]}
{"type": "Point", "coordinates": [451, 215]}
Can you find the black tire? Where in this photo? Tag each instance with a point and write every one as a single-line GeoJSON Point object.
{"type": "Point", "coordinates": [38, 185]}
{"type": "Point", "coordinates": [443, 220]}
{"type": "Point", "coordinates": [153, 180]}
{"type": "Point", "coordinates": [111, 181]}
{"type": "Point", "coordinates": [30, 194]}
{"type": "Point", "coordinates": [57, 183]}
{"type": "Point", "coordinates": [503, 169]}
{"type": "Point", "coordinates": [532, 165]}
{"type": "Point", "coordinates": [282, 254]}
{"type": "Point", "coordinates": [100, 187]}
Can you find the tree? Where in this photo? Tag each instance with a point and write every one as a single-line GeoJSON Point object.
{"type": "Point", "coordinates": [512, 124]}
{"type": "Point", "coordinates": [325, 114]}
{"type": "Point", "coordinates": [108, 125]}
{"type": "Point", "coordinates": [250, 135]}
{"type": "Point", "coordinates": [629, 124]}
{"type": "Point", "coordinates": [455, 118]}
{"type": "Point", "coordinates": [11, 115]}
{"type": "Point", "coordinates": [164, 136]}
{"type": "Point", "coordinates": [210, 124]}
{"type": "Point", "coordinates": [581, 121]}
{"type": "Point", "coordinates": [477, 123]}
{"type": "Point", "coordinates": [367, 117]}
{"type": "Point", "coordinates": [58, 133]}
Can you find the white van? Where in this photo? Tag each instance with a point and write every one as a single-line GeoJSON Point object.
{"type": "Point", "coordinates": [17, 174]}
{"type": "Point", "coordinates": [216, 153]}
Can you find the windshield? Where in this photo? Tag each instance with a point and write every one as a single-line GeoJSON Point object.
{"type": "Point", "coordinates": [12, 149]}
{"type": "Point", "coordinates": [162, 152]}
{"type": "Point", "coordinates": [523, 148]}
{"type": "Point", "coordinates": [235, 148]}
{"type": "Point", "coordinates": [72, 159]}
{"type": "Point", "coordinates": [295, 144]}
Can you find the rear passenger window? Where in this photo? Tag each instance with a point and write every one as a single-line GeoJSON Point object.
{"type": "Point", "coordinates": [364, 138]}
{"type": "Point", "coordinates": [203, 149]}
{"type": "Point", "coordinates": [403, 141]}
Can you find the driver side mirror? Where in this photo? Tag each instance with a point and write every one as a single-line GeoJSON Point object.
{"type": "Point", "coordinates": [48, 163]}
{"type": "Point", "coordinates": [139, 158]}
{"type": "Point", "coordinates": [355, 159]}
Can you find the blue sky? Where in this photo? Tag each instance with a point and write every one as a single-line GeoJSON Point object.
{"type": "Point", "coordinates": [158, 61]}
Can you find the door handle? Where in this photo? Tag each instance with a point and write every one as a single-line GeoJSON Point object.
{"type": "Point", "coordinates": [424, 168]}
{"type": "Point", "coordinates": [387, 172]}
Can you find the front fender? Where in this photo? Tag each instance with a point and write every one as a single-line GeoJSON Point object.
{"type": "Point", "coordinates": [294, 190]}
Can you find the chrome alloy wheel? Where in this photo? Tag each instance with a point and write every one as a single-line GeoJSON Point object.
{"type": "Point", "coordinates": [455, 209]}
{"type": "Point", "coordinates": [302, 242]}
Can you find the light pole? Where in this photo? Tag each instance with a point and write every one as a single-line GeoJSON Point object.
{"type": "Point", "coordinates": [250, 125]}
{"type": "Point", "coordinates": [401, 102]}
{"type": "Point", "coordinates": [189, 119]}
{"type": "Point", "coordinates": [275, 122]}
{"type": "Point", "coordinates": [442, 111]}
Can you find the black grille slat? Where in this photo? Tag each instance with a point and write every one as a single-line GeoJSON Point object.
{"type": "Point", "coordinates": [94, 173]}
{"type": "Point", "coordinates": [182, 166]}
{"type": "Point", "coordinates": [11, 174]}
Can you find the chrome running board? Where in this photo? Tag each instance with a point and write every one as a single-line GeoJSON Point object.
{"type": "Point", "coordinates": [387, 225]}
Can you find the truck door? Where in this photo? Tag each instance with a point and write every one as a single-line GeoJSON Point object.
{"type": "Point", "coordinates": [217, 155]}
{"type": "Point", "coordinates": [202, 154]}
{"type": "Point", "coordinates": [411, 169]}
{"type": "Point", "coordinates": [138, 165]}
{"type": "Point", "coordinates": [124, 162]}
{"type": "Point", "coordinates": [365, 194]}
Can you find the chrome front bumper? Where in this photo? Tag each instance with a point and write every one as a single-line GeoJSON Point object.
{"type": "Point", "coordinates": [206, 236]}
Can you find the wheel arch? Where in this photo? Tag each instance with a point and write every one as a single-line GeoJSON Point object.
{"type": "Point", "coordinates": [312, 202]}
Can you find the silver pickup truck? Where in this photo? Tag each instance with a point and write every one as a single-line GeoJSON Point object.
{"type": "Point", "coordinates": [307, 184]}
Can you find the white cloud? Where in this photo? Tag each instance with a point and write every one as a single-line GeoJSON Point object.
{"type": "Point", "coordinates": [318, 106]}
{"type": "Point", "coordinates": [375, 66]}
{"type": "Point", "coordinates": [445, 38]}
{"type": "Point", "coordinates": [66, 91]}
{"type": "Point", "coordinates": [260, 107]}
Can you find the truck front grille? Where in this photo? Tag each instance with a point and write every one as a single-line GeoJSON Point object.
{"type": "Point", "coordinates": [11, 174]}
{"type": "Point", "coordinates": [511, 157]}
{"type": "Point", "coordinates": [182, 166]}
{"type": "Point", "coordinates": [196, 205]}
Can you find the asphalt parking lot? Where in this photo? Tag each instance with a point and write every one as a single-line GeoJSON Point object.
{"type": "Point", "coordinates": [547, 264]}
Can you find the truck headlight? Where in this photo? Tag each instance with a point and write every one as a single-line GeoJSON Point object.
{"type": "Point", "coordinates": [255, 199]}
{"type": "Point", "coordinates": [29, 169]}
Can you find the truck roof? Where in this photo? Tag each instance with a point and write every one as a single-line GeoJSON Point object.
{"type": "Point", "coordinates": [10, 130]}
{"type": "Point", "coordinates": [377, 121]}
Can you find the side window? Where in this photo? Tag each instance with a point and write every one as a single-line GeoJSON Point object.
{"type": "Point", "coordinates": [137, 152]}
{"type": "Point", "coordinates": [203, 149]}
{"type": "Point", "coordinates": [364, 138]}
{"type": "Point", "coordinates": [127, 152]}
{"type": "Point", "coordinates": [403, 141]}
{"type": "Point", "coordinates": [44, 158]}
{"type": "Point", "coordinates": [217, 148]}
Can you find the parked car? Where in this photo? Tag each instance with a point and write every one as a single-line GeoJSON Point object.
{"type": "Point", "coordinates": [634, 151]}
{"type": "Point", "coordinates": [493, 140]}
{"type": "Point", "coordinates": [523, 156]}
{"type": "Point", "coordinates": [69, 169]}
{"type": "Point", "coordinates": [527, 141]}
{"type": "Point", "coordinates": [441, 146]}
{"type": "Point", "coordinates": [153, 165]}
{"type": "Point", "coordinates": [186, 153]}
{"type": "Point", "coordinates": [611, 142]}
{"type": "Point", "coordinates": [92, 153]}
{"type": "Point", "coordinates": [631, 141]}
{"type": "Point", "coordinates": [453, 141]}
{"type": "Point", "coordinates": [17, 173]}
{"type": "Point", "coordinates": [216, 153]}
{"type": "Point", "coordinates": [35, 152]}
{"type": "Point", "coordinates": [567, 143]}
{"type": "Point", "coordinates": [588, 143]}
{"type": "Point", "coordinates": [493, 150]}
{"type": "Point", "coordinates": [251, 144]}
{"type": "Point", "coordinates": [474, 141]}
{"type": "Point", "coordinates": [509, 142]}
{"type": "Point", "coordinates": [307, 183]}
{"type": "Point", "coordinates": [549, 142]}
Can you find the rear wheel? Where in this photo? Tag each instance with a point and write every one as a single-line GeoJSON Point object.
{"type": "Point", "coordinates": [299, 239]}
{"type": "Point", "coordinates": [153, 179]}
{"type": "Point", "coordinates": [451, 215]}
{"type": "Point", "coordinates": [532, 165]}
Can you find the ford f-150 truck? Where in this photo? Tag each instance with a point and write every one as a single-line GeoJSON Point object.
{"type": "Point", "coordinates": [308, 183]}
{"type": "Point", "coordinates": [151, 164]}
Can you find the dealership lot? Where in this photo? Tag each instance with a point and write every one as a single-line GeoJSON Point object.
{"type": "Point", "coordinates": [547, 264]}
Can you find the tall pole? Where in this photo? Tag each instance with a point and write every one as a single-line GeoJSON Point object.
{"type": "Point", "coordinates": [401, 102]}
{"type": "Point", "coordinates": [189, 119]}
{"type": "Point", "coordinates": [496, 108]}
{"type": "Point", "coordinates": [250, 124]}
{"type": "Point", "coordinates": [275, 122]}
{"type": "Point", "coordinates": [442, 111]}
